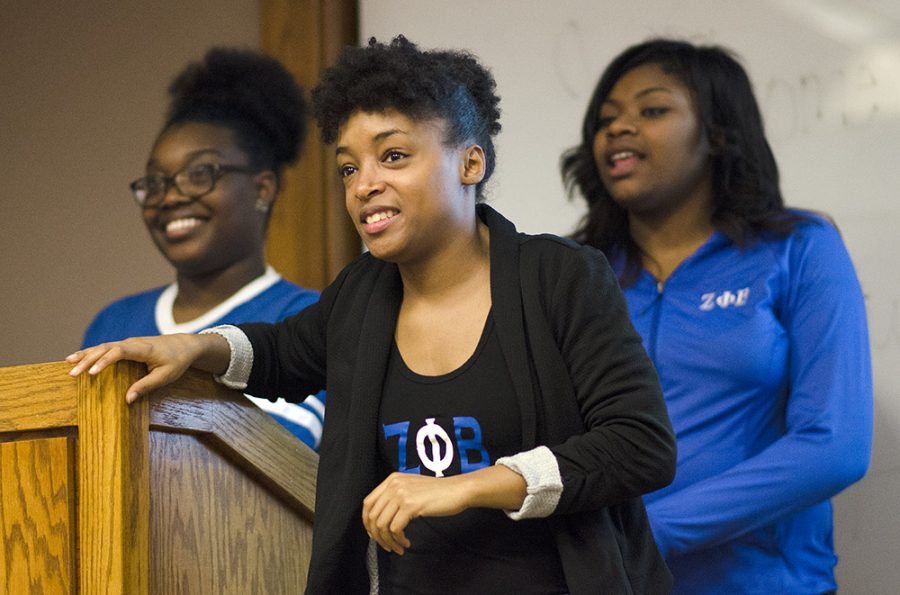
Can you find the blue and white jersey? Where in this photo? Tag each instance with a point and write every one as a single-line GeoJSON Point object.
{"type": "Point", "coordinates": [763, 357]}
{"type": "Point", "coordinates": [269, 298]}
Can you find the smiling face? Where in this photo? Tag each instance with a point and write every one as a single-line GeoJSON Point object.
{"type": "Point", "coordinates": [220, 229]}
{"type": "Point", "coordinates": [650, 149]}
{"type": "Point", "coordinates": [409, 194]}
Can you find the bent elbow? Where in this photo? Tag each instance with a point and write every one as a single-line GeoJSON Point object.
{"type": "Point", "coordinates": [854, 470]}
{"type": "Point", "coordinates": [847, 464]}
{"type": "Point", "coordinates": [667, 467]}
{"type": "Point", "coordinates": [662, 470]}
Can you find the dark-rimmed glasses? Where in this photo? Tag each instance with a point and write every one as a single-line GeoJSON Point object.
{"type": "Point", "coordinates": [193, 182]}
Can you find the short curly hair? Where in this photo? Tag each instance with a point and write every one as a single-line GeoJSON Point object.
{"type": "Point", "coordinates": [250, 93]}
{"type": "Point", "coordinates": [446, 84]}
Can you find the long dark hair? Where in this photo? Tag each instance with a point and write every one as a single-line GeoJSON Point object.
{"type": "Point", "coordinates": [747, 199]}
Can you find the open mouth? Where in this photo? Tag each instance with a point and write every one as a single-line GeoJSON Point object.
{"type": "Point", "coordinates": [376, 221]}
{"type": "Point", "coordinates": [179, 228]}
{"type": "Point", "coordinates": [623, 162]}
{"type": "Point", "coordinates": [379, 216]}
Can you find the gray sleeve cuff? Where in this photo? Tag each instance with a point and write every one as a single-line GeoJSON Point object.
{"type": "Point", "coordinates": [543, 482]}
{"type": "Point", "coordinates": [241, 362]}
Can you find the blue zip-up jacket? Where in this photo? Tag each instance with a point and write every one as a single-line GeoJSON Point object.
{"type": "Point", "coordinates": [763, 357]}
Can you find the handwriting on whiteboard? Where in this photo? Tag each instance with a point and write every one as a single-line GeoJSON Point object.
{"type": "Point", "coordinates": [795, 106]}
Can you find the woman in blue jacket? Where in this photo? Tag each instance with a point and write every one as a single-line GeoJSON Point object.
{"type": "Point", "coordinates": [752, 314]}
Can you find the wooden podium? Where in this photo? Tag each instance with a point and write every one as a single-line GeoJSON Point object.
{"type": "Point", "coordinates": [192, 490]}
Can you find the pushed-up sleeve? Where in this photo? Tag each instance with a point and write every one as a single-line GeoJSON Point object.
{"type": "Point", "coordinates": [289, 357]}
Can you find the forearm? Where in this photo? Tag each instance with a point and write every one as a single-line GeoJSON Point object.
{"type": "Point", "coordinates": [494, 487]}
{"type": "Point", "coordinates": [389, 508]}
{"type": "Point", "coordinates": [794, 473]}
{"type": "Point", "coordinates": [213, 353]}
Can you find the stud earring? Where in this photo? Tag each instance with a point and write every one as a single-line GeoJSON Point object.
{"type": "Point", "coordinates": [261, 206]}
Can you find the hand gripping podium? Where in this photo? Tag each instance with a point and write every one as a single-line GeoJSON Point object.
{"type": "Point", "coordinates": [190, 490]}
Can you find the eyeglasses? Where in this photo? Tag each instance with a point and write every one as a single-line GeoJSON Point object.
{"type": "Point", "coordinates": [193, 182]}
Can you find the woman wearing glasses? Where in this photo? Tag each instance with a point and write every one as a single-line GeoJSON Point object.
{"type": "Point", "coordinates": [236, 119]}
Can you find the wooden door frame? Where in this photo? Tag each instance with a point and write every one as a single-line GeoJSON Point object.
{"type": "Point", "coordinates": [310, 237]}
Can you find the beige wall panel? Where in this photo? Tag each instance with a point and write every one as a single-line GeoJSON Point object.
{"type": "Point", "coordinates": [82, 95]}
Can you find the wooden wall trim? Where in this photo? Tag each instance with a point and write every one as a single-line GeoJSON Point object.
{"type": "Point", "coordinates": [310, 236]}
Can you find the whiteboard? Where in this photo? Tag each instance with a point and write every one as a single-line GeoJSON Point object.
{"type": "Point", "coordinates": [827, 75]}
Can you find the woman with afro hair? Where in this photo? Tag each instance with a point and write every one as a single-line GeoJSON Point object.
{"type": "Point", "coordinates": [492, 418]}
{"type": "Point", "coordinates": [235, 120]}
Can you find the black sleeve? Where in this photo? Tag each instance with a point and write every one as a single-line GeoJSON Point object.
{"type": "Point", "coordinates": [289, 358]}
{"type": "Point", "coordinates": [628, 448]}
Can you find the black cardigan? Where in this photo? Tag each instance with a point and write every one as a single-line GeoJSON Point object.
{"type": "Point", "coordinates": [586, 389]}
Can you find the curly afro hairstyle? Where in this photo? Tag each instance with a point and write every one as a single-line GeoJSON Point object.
{"type": "Point", "coordinates": [445, 84]}
{"type": "Point", "coordinates": [250, 93]}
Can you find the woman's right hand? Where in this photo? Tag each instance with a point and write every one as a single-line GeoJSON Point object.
{"type": "Point", "coordinates": [167, 358]}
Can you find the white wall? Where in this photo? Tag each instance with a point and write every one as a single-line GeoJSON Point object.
{"type": "Point", "coordinates": [82, 95]}
{"type": "Point", "coordinates": [827, 73]}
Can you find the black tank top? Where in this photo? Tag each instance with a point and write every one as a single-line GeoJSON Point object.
{"type": "Point", "coordinates": [446, 425]}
